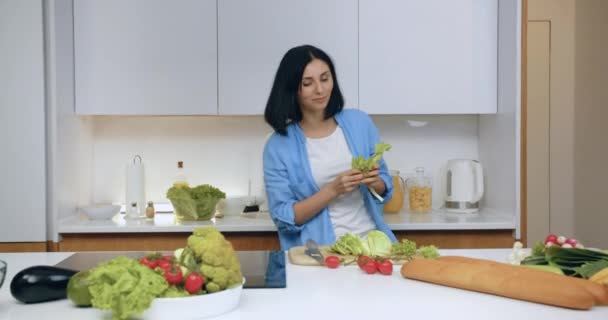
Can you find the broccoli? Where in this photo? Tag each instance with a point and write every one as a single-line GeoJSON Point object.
{"type": "Point", "coordinates": [405, 248]}
{"type": "Point", "coordinates": [429, 252]}
{"type": "Point", "coordinates": [218, 261]}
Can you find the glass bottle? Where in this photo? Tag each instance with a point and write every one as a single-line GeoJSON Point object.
{"type": "Point", "coordinates": [420, 190]}
{"type": "Point", "coordinates": [134, 212]}
{"type": "Point", "coordinates": [180, 179]}
{"type": "Point", "coordinates": [396, 202]}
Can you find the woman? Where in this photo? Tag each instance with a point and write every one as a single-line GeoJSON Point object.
{"type": "Point", "coordinates": [312, 191]}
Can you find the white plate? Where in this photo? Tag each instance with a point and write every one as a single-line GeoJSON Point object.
{"type": "Point", "coordinates": [197, 307]}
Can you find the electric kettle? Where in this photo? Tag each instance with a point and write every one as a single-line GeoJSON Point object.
{"type": "Point", "coordinates": [464, 185]}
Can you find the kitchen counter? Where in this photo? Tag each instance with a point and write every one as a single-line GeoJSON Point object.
{"type": "Point", "coordinates": [319, 293]}
{"type": "Point", "coordinates": [261, 222]}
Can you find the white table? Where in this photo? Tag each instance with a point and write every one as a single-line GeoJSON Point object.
{"type": "Point", "coordinates": [321, 293]}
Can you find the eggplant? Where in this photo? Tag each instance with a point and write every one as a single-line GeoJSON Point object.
{"type": "Point", "coordinates": [41, 283]}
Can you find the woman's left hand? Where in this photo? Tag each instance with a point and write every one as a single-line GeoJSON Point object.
{"type": "Point", "coordinates": [372, 176]}
{"type": "Point", "coordinates": [372, 179]}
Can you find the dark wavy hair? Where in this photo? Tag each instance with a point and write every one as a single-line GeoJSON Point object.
{"type": "Point", "coordinates": [282, 107]}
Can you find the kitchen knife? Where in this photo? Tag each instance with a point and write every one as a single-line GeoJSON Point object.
{"type": "Point", "coordinates": [312, 250]}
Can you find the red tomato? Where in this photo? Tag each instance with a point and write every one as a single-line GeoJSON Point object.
{"type": "Point", "coordinates": [385, 267]}
{"type": "Point", "coordinates": [174, 275]}
{"type": "Point", "coordinates": [164, 264]}
{"type": "Point", "coordinates": [194, 282]}
{"type": "Point", "coordinates": [332, 262]}
{"type": "Point", "coordinates": [168, 258]}
{"type": "Point", "coordinates": [551, 238]}
{"type": "Point", "coordinates": [362, 260]}
{"type": "Point", "coordinates": [148, 262]}
{"type": "Point", "coordinates": [370, 267]}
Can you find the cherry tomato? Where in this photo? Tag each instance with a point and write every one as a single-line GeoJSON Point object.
{"type": "Point", "coordinates": [370, 267]}
{"type": "Point", "coordinates": [194, 282]}
{"type": "Point", "coordinates": [174, 275]}
{"type": "Point", "coordinates": [385, 267]}
{"type": "Point", "coordinates": [164, 264]}
{"type": "Point", "coordinates": [362, 260]}
{"type": "Point", "coordinates": [148, 262]}
{"type": "Point", "coordinates": [332, 262]}
{"type": "Point", "coordinates": [551, 238]}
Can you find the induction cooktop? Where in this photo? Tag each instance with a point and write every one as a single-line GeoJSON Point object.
{"type": "Point", "coordinates": [261, 269]}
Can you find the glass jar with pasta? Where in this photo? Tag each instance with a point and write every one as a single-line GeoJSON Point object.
{"type": "Point", "coordinates": [420, 192]}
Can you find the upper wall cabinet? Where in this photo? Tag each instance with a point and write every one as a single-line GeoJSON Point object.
{"type": "Point", "coordinates": [254, 36]}
{"type": "Point", "coordinates": [152, 57]}
{"type": "Point", "coordinates": [428, 57]}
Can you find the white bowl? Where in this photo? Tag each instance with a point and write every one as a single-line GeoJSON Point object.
{"type": "Point", "coordinates": [196, 307]}
{"type": "Point", "coordinates": [101, 212]}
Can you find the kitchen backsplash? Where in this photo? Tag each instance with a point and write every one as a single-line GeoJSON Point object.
{"type": "Point", "coordinates": [226, 151]}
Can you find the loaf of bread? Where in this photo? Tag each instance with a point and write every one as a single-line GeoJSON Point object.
{"type": "Point", "coordinates": [599, 292]}
{"type": "Point", "coordinates": [501, 279]}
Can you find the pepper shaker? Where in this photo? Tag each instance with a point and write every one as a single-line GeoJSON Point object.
{"type": "Point", "coordinates": [150, 212]}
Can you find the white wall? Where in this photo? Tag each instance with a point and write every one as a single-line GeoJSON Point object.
{"type": "Point", "coordinates": [499, 133]}
{"type": "Point", "coordinates": [69, 137]}
{"type": "Point", "coordinates": [226, 151]}
{"type": "Point", "coordinates": [22, 122]}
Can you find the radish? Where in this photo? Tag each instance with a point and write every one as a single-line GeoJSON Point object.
{"type": "Point", "coordinates": [566, 245]}
{"type": "Point", "coordinates": [551, 238]}
{"type": "Point", "coordinates": [550, 244]}
{"type": "Point", "coordinates": [561, 240]}
{"type": "Point", "coordinates": [572, 242]}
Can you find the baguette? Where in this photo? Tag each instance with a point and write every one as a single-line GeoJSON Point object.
{"type": "Point", "coordinates": [599, 292]}
{"type": "Point", "coordinates": [508, 281]}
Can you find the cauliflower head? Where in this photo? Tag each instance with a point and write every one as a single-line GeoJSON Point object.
{"type": "Point", "coordinates": [218, 261]}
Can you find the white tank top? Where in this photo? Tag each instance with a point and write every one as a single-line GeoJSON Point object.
{"type": "Point", "coordinates": [329, 157]}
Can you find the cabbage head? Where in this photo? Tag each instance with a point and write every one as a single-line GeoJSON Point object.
{"type": "Point", "coordinates": [379, 243]}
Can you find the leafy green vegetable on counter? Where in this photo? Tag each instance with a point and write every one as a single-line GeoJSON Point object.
{"type": "Point", "coordinates": [572, 261]}
{"type": "Point", "coordinates": [429, 252]}
{"type": "Point", "coordinates": [124, 286]}
{"type": "Point", "coordinates": [196, 203]}
{"type": "Point", "coordinates": [405, 248]}
{"type": "Point", "coordinates": [351, 244]}
{"type": "Point", "coordinates": [538, 249]}
{"type": "Point", "coordinates": [379, 245]}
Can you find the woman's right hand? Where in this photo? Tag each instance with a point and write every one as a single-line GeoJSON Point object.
{"type": "Point", "coordinates": [345, 182]}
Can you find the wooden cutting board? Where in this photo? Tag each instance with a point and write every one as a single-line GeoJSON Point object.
{"type": "Point", "coordinates": [298, 257]}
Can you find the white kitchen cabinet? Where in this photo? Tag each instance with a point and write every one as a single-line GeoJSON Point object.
{"type": "Point", "coordinates": [22, 122]}
{"type": "Point", "coordinates": [151, 57]}
{"type": "Point", "coordinates": [254, 36]}
{"type": "Point", "coordinates": [428, 57]}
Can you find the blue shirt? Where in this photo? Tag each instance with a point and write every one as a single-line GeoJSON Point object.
{"type": "Point", "coordinates": [288, 179]}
